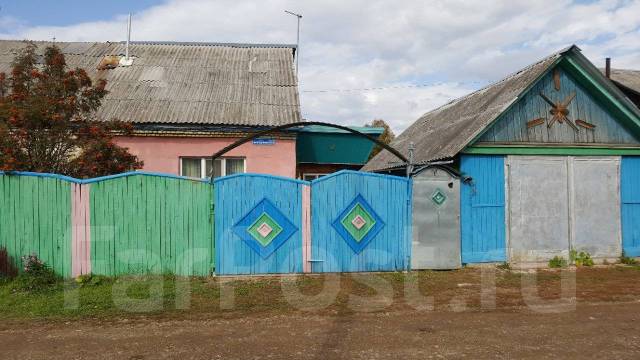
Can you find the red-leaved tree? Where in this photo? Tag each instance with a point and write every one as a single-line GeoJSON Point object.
{"type": "Point", "coordinates": [48, 123]}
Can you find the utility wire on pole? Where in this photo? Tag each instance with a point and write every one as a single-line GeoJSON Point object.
{"type": "Point", "coordinates": [297, 41]}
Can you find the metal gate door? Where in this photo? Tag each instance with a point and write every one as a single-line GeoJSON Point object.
{"type": "Point", "coordinates": [436, 220]}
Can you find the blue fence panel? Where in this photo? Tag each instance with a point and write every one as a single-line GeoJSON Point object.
{"type": "Point", "coordinates": [482, 214]}
{"type": "Point", "coordinates": [360, 222]}
{"type": "Point", "coordinates": [630, 199]}
{"type": "Point", "coordinates": [258, 225]}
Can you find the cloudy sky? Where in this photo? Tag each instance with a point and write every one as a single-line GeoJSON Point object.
{"type": "Point", "coordinates": [361, 59]}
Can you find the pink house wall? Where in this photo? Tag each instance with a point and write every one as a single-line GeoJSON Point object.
{"type": "Point", "coordinates": [162, 154]}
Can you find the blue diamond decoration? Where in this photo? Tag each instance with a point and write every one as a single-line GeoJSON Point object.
{"type": "Point", "coordinates": [339, 225]}
{"type": "Point", "coordinates": [242, 228]}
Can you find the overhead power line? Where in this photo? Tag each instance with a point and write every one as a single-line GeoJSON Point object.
{"type": "Point", "coordinates": [397, 87]}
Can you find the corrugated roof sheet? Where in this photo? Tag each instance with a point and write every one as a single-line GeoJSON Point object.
{"type": "Point", "coordinates": [627, 78]}
{"type": "Point", "coordinates": [445, 131]}
{"type": "Point", "coordinates": [195, 83]}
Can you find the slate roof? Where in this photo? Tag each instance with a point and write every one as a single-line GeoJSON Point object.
{"type": "Point", "coordinates": [629, 79]}
{"type": "Point", "coordinates": [444, 132]}
{"type": "Point", "coordinates": [188, 83]}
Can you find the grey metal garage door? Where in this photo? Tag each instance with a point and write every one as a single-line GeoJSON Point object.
{"type": "Point", "coordinates": [558, 203]}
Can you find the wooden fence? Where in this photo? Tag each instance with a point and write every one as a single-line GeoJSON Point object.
{"type": "Point", "coordinates": [132, 223]}
{"type": "Point", "coordinates": [348, 221]}
{"type": "Point", "coordinates": [146, 223]}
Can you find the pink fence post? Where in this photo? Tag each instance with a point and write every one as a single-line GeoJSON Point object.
{"type": "Point", "coordinates": [306, 228]}
{"type": "Point", "coordinates": [80, 230]}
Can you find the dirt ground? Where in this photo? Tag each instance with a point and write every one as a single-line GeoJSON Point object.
{"type": "Point", "coordinates": [600, 320]}
{"type": "Point", "coordinates": [592, 331]}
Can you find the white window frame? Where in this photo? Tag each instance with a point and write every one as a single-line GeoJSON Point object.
{"type": "Point", "coordinates": [317, 175]}
{"type": "Point", "coordinates": [223, 164]}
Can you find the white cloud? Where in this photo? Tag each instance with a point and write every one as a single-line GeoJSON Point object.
{"type": "Point", "coordinates": [454, 45]}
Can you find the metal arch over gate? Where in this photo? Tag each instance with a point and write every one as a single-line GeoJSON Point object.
{"type": "Point", "coordinates": [306, 123]}
{"type": "Point", "coordinates": [264, 223]}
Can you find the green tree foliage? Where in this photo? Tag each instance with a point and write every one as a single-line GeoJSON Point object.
{"type": "Point", "coordinates": [386, 137]}
{"type": "Point", "coordinates": [47, 120]}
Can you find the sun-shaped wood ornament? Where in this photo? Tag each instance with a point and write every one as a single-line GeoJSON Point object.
{"type": "Point", "coordinates": [560, 110]}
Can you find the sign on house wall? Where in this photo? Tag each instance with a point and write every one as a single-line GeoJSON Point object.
{"type": "Point", "coordinates": [264, 141]}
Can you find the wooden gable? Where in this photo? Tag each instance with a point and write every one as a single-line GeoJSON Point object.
{"type": "Point", "coordinates": [589, 118]}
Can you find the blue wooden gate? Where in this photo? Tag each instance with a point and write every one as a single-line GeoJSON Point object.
{"type": "Point", "coordinates": [360, 222]}
{"type": "Point", "coordinates": [482, 214]}
{"type": "Point", "coordinates": [630, 199]}
{"type": "Point", "coordinates": [258, 224]}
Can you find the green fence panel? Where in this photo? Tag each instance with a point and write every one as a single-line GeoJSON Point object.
{"type": "Point", "coordinates": [145, 224]}
{"type": "Point", "coordinates": [35, 218]}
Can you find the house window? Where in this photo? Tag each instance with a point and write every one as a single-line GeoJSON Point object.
{"type": "Point", "coordinates": [311, 176]}
{"type": "Point", "coordinates": [201, 167]}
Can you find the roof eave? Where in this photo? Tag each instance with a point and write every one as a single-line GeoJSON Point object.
{"type": "Point", "coordinates": [618, 98]}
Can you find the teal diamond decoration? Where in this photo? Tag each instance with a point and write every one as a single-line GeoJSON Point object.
{"type": "Point", "coordinates": [358, 224]}
{"type": "Point", "coordinates": [438, 197]}
{"type": "Point", "coordinates": [264, 229]}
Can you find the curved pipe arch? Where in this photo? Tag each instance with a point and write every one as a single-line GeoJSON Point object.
{"type": "Point", "coordinates": [304, 123]}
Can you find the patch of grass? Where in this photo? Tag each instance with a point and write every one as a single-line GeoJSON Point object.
{"type": "Point", "coordinates": [97, 296]}
{"type": "Point", "coordinates": [396, 277]}
{"type": "Point", "coordinates": [558, 262]}
{"type": "Point", "coordinates": [94, 297]}
{"type": "Point", "coordinates": [504, 266]}
{"type": "Point", "coordinates": [581, 258]}
{"type": "Point", "coordinates": [509, 279]}
{"type": "Point", "coordinates": [37, 276]}
{"type": "Point", "coordinates": [91, 280]}
{"type": "Point", "coordinates": [628, 260]}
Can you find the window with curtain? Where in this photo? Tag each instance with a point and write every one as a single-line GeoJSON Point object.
{"type": "Point", "coordinates": [191, 167]}
{"type": "Point", "coordinates": [234, 166]}
{"type": "Point", "coordinates": [202, 167]}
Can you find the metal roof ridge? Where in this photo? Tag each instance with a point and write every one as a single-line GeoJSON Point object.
{"type": "Point", "coordinates": [207, 43]}
{"type": "Point", "coordinates": [168, 42]}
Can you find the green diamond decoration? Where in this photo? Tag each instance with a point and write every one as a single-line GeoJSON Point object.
{"type": "Point", "coordinates": [438, 197]}
{"type": "Point", "coordinates": [264, 229]}
{"type": "Point", "coordinates": [358, 222]}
